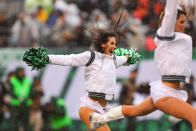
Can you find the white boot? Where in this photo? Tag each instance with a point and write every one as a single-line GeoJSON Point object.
{"type": "Point", "coordinates": [97, 120]}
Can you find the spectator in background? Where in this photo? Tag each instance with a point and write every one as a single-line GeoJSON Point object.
{"type": "Point", "coordinates": [98, 20]}
{"type": "Point", "coordinates": [125, 19]}
{"type": "Point", "coordinates": [53, 17]}
{"type": "Point", "coordinates": [134, 36]}
{"type": "Point", "coordinates": [191, 90]}
{"type": "Point", "coordinates": [36, 120]}
{"type": "Point", "coordinates": [150, 44]}
{"type": "Point", "coordinates": [59, 118]}
{"type": "Point", "coordinates": [2, 93]}
{"type": "Point", "coordinates": [37, 87]}
{"type": "Point", "coordinates": [4, 99]}
{"type": "Point", "coordinates": [142, 10]}
{"type": "Point", "coordinates": [56, 118]}
{"type": "Point", "coordinates": [20, 100]}
{"type": "Point", "coordinates": [103, 5]}
{"type": "Point", "coordinates": [24, 33]}
{"type": "Point", "coordinates": [158, 7]}
{"type": "Point", "coordinates": [132, 5]}
{"type": "Point", "coordinates": [150, 20]}
{"type": "Point", "coordinates": [72, 14]}
{"type": "Point", "coordinates": [87, 3]}
{"type": "Point", "coordinates": [42, 14]}
{"type": "Point", "coordinates": [4, 31]}
{"type": "Point", "coordinates": [144, 89]}
{"type": "Point", "coordinates": [116, 6]}
{"type": "Point", "coordinates": [127, 96]}
{"type": "Point", "coordinates": [66, 24]}
{"type": "Point", "coordinates": [80, 36]}
{"type": "Point", "coordinates": [128, 89]}
{"type": "Point", "coordinates": [70, 11]}
{"type": "Point", "coordinates": [61, 32]}
{"type": "Point", "coordinates": [36, 27]}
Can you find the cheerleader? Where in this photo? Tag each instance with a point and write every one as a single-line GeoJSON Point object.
{"type": "Point", "coordinates": [100, 75]}
{"type": "Point", "coordinates": [173, 57]}
{"type": "Point", "coordinates": [100, 69]}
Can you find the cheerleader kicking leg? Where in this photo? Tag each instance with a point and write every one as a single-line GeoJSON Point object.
{"type": "Point", "coordinates": [146, 107]}
{"type": "Point", "coordinates": [177, 108]}
{"type": "Point", "coordinates": [84, 113]}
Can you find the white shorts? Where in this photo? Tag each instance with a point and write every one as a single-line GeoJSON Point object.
{"type": "Point", "coordinates": [159, 90]}
{"type": "Point", "coordinates": [87, 102]}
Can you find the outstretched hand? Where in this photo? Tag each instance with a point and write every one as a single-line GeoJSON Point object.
{"type": "Point", "coordinates": [36, 58]}
{"type": "Point", "coordinates": [132, 54]}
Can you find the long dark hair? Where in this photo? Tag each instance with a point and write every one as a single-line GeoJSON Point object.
{"type": "Point", "coordinates": [102, 38]}
{"type": "Point", "coordinates": [99, 36]}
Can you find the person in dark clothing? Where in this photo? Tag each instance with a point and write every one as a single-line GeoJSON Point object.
{"type": "Point", "coordinates": [4, 31]}
{"type": "Point", "coordinates": [20, 102]}
{"type": "Point", "coordinates": [36, 119]}
{"type": "Point", "coordinates": [126, 97]}
{"type": "Point", "coordinates": [2, 93]}
{"type": "Point", "coordinates": [128, 89]}
{"type": "Point", "coordinates": [4, 90]}
{"type": "Point", "coordinates": [55, 113]}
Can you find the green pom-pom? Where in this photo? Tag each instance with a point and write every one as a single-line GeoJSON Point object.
{"type": "Point", "coordinates": [134, 56]}
{"type": "Point", "coordinates": [36, 58]}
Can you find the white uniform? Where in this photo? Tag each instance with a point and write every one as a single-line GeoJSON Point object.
{"type": "Point", "coordinates": [100, 76]}
{"type": "Point", "coordinates": [173, 55]}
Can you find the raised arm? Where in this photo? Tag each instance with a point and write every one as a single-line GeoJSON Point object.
{"type": "Point", "coordinates": [121, 60]}
{"type": "Point", "coordinates": [70, 60]}
{"type": "Point", "coordinates": [126, 57]}
{"type": "Point", "coordinates": [169, 19]}
{"type": "Point", "coordinates": [37, 58]}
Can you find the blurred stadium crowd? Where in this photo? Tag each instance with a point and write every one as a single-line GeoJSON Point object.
{"type": "Point", "coordinates": [65, 23]}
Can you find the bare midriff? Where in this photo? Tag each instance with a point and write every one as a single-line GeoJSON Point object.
{"type": "Point", "coordinates": [102, 102]}
{"type": "Point", "coordinates": [175, 85]}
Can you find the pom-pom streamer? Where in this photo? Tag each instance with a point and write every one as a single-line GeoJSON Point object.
{"type": "Point", "coordinates": [36, 58]}
{"type": "Point", "coordinates": [134, 56]}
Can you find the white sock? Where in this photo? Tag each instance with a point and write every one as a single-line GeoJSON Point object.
{"type": "Point", "coordinates": [98, 120]}
{"type": "Point", "coordinates": [114, 114]}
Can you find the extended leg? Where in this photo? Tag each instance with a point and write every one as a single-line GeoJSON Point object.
{"type": "Point", "coordinates": [146, 107]}
{"type": "Point", "coordinates": [84, 113]}
{"type": "Point", "coordinates": [178, 108]}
